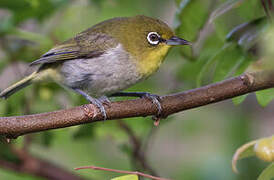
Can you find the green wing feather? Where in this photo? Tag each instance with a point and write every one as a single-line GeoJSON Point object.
{"type": "Point", "coordinates": [87, 44]}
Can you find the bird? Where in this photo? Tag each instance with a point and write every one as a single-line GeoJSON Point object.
{"type": "Point", "coordinates": [106, 59]}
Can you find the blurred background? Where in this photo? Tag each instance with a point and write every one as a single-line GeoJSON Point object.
{"type": "Point", "coordinates": [194, 144]}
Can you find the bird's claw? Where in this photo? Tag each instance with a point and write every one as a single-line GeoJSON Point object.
{"type": "Point", "coordinates": [105, 101]}
{"type": "Point", "coordinates": [99, 104]}
{"type": "Point", "coordinates": [155, 100]}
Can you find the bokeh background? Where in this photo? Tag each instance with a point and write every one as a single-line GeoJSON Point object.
{"type": "Point", "coordinates": [194, 144]}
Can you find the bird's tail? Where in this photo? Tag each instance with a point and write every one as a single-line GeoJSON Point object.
{"type": "Point", "coordinates": [17, 86]}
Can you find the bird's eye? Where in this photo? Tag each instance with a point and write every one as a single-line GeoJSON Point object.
{"type": "Point", "coordinates": [153, 38]}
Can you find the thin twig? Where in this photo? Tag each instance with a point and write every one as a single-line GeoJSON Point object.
{"type": "Point", "coordinates": [270, 5]}
{"type": "Point", "coordinates": [36, 166]}
{"type": "Point", "coordinates": [122, 171]}
{"type": "Point", "coordinates": [265, 9]}
{"type": "Point", "coordinates": [15, 126]}
{"type": "Point", "coordinates": [138, 154]}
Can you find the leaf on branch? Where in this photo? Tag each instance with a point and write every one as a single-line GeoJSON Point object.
{"type": "Point", "coordinates": [242, 152]}
{"type": "Point", "coordinates": [264, 97]}
{"type": "Point", "coordinates": [85, 132]}
{"type": "Point", "coordinates": [32, 9]}
{"type": "Point", "coordinates": [44, 138]}
{"type": "Point", "coordinates": [7, 22]}
{"type": "Point", "coordinates": [238, 100]}
{"type": "Point", "coordinates": [6, 152]}
{"type": "Point", "coordinates": [223, 8]}
{"type": "Point", "coordinates": [237, 13]}
{"type": "Point", "coordinates": [248, 34]}
{"type": "Point", "coordinates": [268, 173]}
{"type": "Point", "coordinates": [127, 177]}
{"type": "Point", "coordinates": [226, 62]}
{"type": "Point", "coordinates": [190, 18]}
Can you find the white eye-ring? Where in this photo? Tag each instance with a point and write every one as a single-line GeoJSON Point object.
{"type": "Point", "coordinates": [153, 38]}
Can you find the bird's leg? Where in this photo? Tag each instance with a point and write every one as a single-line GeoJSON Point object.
{"type": "Point", "coordinates": [97, 102]}
{"type": "Point", "coordinates": [153, 97]}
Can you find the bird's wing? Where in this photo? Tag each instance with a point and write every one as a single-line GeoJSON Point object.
{"type": "Point", "coordinates": [84, 45]}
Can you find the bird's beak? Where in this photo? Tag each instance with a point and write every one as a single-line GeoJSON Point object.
{"type": "Point", "coordinates": [177, 41]}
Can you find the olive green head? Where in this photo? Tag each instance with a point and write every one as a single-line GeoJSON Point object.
{"type": "Point", "coordinates": [146, 39]}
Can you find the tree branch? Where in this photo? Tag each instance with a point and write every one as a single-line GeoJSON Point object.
{"type": "Point", "coordinates": [13, 127]}
{"type": "Point", "coordinates": [37, 167]}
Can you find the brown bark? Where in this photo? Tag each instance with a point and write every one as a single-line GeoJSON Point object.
{"type": "Point", "coordinates": [37, 167]}
{"type": "Point", "coordinates": [13, 127]}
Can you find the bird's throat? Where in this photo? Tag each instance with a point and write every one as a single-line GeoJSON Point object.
{"type": "Point", "coordinates": [151, 62]}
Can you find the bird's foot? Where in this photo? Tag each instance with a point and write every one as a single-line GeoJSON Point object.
{"type": "Point", "coordinates": [99, 104]}
{"type": "Point", "coordinates": [156, 100]}
{"type": "Point", "coordinates": [105, 100]}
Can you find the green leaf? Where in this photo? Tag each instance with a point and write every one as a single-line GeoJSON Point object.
{"type": "Point", "coordinates": [98, 3]}
{"type": "Point", "coordinates": [6, 152]}
{"type": "Point", "coordinates": [266, 50]}
{"type": "Point", "coordinates": [125, 148]}
{"type": "Point", "coordinates": [224, 8]}
{"type": "Point", "coordinates": [229, 60]}
{"type": "Point", "coordinates": [7, 23]}
{"type": "Point", "coordinates": [264, 97]}
{"type": "Point", "coordinates": [44, 138]}
{"type": "Point", "coordinates": [24, 9]}
{"type": "Point", "coordinates": [47, 138]}
{"type": "Point", "coordinates": [33, 37]}
{"type": "Point", "coordinates": [244, 9]}
{"type": "Point", "coordinates": [85, 131]}
{"type": "Point", "coordinates": [127, 177]}
{"type": "Point", "coordinates": [242, 152]}
{"type": "Point", "coordinates": [191, 17]}
{"type": "Point", "coordinates": [239, 14]}
{"type": "Point", "coordinates": [238, 100]}
{"type": "Point", "coordinates": [268, 173]}
{"type": "Point", "coordinates": [208, 64]}
{"type": "Point", "coordinates": [247, 34]}
{"type": "Point", "coordinates": [224, 56]}
{"type": "Point", "coordinates": [243, 65]}
{"type": "Point", "coordinates": [247, 153]}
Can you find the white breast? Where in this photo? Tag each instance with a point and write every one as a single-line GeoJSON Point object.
{"type": "Point", "coordinates": [113, 71]}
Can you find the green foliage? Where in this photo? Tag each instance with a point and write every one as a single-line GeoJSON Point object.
{"type": "Point", "coordinates": [191, 16]}
{"type": "Point", "coordinates": [85, 132]}
{"type": "Point", "coordinates": [237, 40]}
{"type": "Point", "coordinates": [6, 152]}
{"type": "Point", "coordinates": [24, 9]}
{"type": "Point", "coordinates": [238, 100]}
{"type": "Point", "coordinates": [126, 177]}
{"type": "Point", "coordinates": [44, 138]}
{"type": "Point", "coordinates": [264, 97]}
{"type": "Point", "coordinates": [7, 23]}
{"type": "Point", "coordinates": [268, 173]}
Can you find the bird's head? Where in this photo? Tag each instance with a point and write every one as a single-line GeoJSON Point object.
{"type": "Point", "coordinates": [144, 38]}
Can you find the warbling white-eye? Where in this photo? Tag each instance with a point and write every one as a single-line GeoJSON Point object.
{"type": "Point", "coordinates": [106, 59]}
